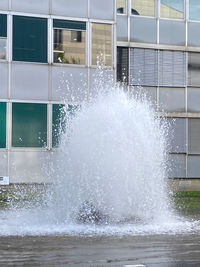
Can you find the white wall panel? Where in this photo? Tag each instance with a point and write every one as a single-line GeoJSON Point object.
{"type": "Point", "coordinates": [3, 80]}
{"type": "Point", "coordinates": [69, 83]}
{"type": "Point", "coordinates": [177, 166]}
{"type": "Point", "coordinates": [193, 34]}
{"type": "Point", "coordinates": [103, 9]}
{"type": "Point", "coordinates": [149, 92]}
{"type": "Point", "coordinates": [3, 163]}
{"type": "Point", "coordinates": [143, 30]}
{"type": "Point", "coordinates": [32, 6]}
{"type": "Point", "coordinates": [29, 81]}
{"type": "Point", "coordinates": [122, 28]}
{"type": "Point", "coordinates": [70, 8]}
{"type": "Point", "coordinates": [193, 99]}
{"type": "Point", "coordinates": [172, 99]}
{"type": "Point", "coordinates": [193, 166]}
{"type": "Point", "coordinates": [172, 32]}
{"type": "Point", "coordinates": [29, 167]}
{"type": "Point", "coordinates": [177, 135]}
{"type": "Point", "coordinates": [4, 4]}
{"type": "Point", "coordinates": [102, 80]}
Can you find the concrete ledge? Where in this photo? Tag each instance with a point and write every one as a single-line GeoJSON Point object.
{"type": "Point", "coordinates": [184, 184]}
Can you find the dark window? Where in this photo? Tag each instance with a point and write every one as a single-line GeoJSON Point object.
{"type": "Point", "coordinates": [29, 39]}
{"type": "Point", "coordinates": [122, 64]}
{"type": "Point", "coordinates": [61, 116]}
{"type": "Point", "coordinates": [3, 25]}
{"type": "Point", "coordinates": [2, 125]}
{"type": "Point", "coordinates": [29, 125]}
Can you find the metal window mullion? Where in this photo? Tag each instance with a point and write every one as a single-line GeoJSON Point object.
{"type": "Point", "coordinates": [49, 126]}
{"type": "Point", "coordinates": [50, 41]}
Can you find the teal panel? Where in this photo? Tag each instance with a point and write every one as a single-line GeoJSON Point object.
{"type": "Point", "coordinates": [61, 114]}
{"type": "Point", "coordinates": [29, 39]}
{"type": "Point", "coordinates": [69, 24]}
{"type": "Point", "coordinates": [2, 125]}
{"type": "Point", "coordinates": [3, 25]}
{"type": "Point", "coordinates": [29, 125]}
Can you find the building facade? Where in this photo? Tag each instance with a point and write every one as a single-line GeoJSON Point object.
{"type": "Point", "coordinates": [48, 57]}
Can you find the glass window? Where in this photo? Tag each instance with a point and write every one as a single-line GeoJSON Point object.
{"type": "Point", "coordinates": [143, 7]}
{"type": "Point", "coordinates": [58, 123]}
{"type": "Point", "coordinates": [194, 69]}
{"type": "Point", "coordinates": [172, 9]}
{"type": "Point", "coordinates": [69, 42]}
{"type": "Point", "coordinates": [29, 39]}
{"type": "Point", "coordinates": [2, 125]}
{"type": "Point", "coordinates": [102, 44]}
{"type": "Point", "coordinates": [59, 120]}
{"type": "Point", "coordinates": [29, 125]}
{"type": "Point", "coordinates": [121, 6]}
{"type": "Point", "coordinates": [194, 9]}
{"type": "Point", "coordinates": [3, 36]}
{"type": "Point", "coordinates": [194, 136]}
{"type": "Point", "coordinates": [122, 64]}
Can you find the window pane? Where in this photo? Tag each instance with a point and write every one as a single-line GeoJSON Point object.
{"type": "Point", "coordinates": [3, 42]}
{"type": "Point", "coordinates": [61, 114]}
{"type": "Point", "coordinates": [29, 125]}
{"type": "Point", "coordinates": [3, 25]}
{"type": "Point", "coordinates": [2, 125]}
{"type": "Point", "coordinates": [101, 44]}
{"type": "Point", "coordinates": [121, 6]}
{"type": "Point", "coordinates": [143, 7]}
{"type": "Point", "coordinates": [69, 46]}
{"type": "Point", "coordinates": [172, 9]}
{"type": "Point", "coordinates": [122, 64]}
{"type": "Point", "coordinates": [58, 123]}
{"type": "Point", "coordinates": [194, 136]}
{"type": "Point", "coordinates": [194, 9]}
{"type": "Point", "coordinates": [29, 39]}
{"type": "Point", "coordinates": [194, 69]}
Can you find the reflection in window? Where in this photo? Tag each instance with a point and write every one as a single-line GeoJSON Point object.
{"type": "Point", "coordinates": [194, 69]}
{"type": "Point", "coordinates": [121, 6]}
{"type": "Point", "coordinates": [101, 44]}
{"type": "Point", "coordinates": [194, 9]}
{"type": "Point", "coordinates": [69, 46]}
{"type": "Point", "coordinates": [3, 35]}
{"type": "Point", "coordinates": [2, 48]}
{"type": "Point", "coordinates": [172, 9]}
{"type": "Point", "coordinates": [143, 7]}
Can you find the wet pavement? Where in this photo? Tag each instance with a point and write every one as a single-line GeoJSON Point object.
{"type": "Point", "coordinates": [153, 251]}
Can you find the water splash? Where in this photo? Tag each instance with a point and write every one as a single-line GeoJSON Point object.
{"type": "Point", "coordinates": [114, 157]}
{"type": "Point", "coordinates": [109, 176]}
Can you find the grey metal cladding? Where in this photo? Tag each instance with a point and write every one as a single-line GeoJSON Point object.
{"type": "Point", "coordinates": [143, 67]}
{"type": "Point", "coordinates": [193, 166]}
{"type": "Point", "coordinates": [172, 68]}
